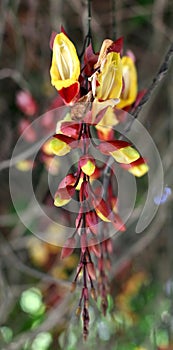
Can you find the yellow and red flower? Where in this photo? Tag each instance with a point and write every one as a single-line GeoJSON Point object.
{"type": "Point", "coordinates": [129, 92]}
{"type": "Point", "coordinates": [65, 68]}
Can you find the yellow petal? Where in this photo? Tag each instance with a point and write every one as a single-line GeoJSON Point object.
{"type": "Point", "coordinates": [101, 216]}
{"type": "Point", "coordinates": [128, 96]}
{"type": "Point", "coordinates": [67, 118]}
{"type": "Point", "coordinates": [59, 202]}
{"type": "Point", "coordinates": [125, 155]}
{"type": "Point", "coordinates": [79, 184]}
{"type": "Point", "coordinates": [65, 69]}
{"type": "Point", "coordinates": [139, 170]}
{"type": "Point", "coordinates": [47, 148]}
{"type": "Point", "coordinates": [108, 121]}
{"type": "Point", "coordinates": [98, 106]}
{"type": "Point", "coordinates": [110, 78]}
{"type": "Point", "coordinates": [60, 148]}
{"type": "Point", "coordinates": [88, 168]}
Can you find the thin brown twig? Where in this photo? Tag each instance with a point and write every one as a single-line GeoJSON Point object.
{"type": "Point", "coordinates": [7, 250]}
{"type": "Point", "coordinates": [157, 79]}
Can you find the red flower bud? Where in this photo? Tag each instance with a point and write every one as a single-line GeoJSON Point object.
{"type": "Point", "coordinates": [68, 247]}
{"type": "Point", "coordinates": [92, 221]}
{"type": "Point", "coordinates": [69, 180]}
{"type": "Point", "coordinates": [91, 270]}
{"type": "Point", "coordinates": [26, 103]}
{"type": "Point", "coordinates": [102, 209]}
{"type": "Point", "coordinates": [94, 246]}
{"type": "Point", "coordinates": [70, 129]}
{"type": "Point", "coordinates": [111, 146]}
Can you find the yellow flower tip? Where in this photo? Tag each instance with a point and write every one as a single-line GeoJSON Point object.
{"type": "Point", "coordinates": [65, 68]}
{"type": "Point", "coordinates": [139, 170]}
{"type": "Point", "coordinates": [129, 93]}
{"type": "Point", "coordinates": [79, 184]}
{"type": "Point", "coordinates": [47, 149]}
{"type": "Point", "coordinates": [88, 168]}
{"type": "Point", "coordinates": [59, 202]}
{"type": "Point", "coordinates": [101, 215]}
{"type": "Point", "coordinates": [59, 148]}
{"type": "Point", "coordinates": [110, 78]}
{"type": "Point", "coordinates": [125, 155]}
{"type": "Point", "coordinates": [107, 122]}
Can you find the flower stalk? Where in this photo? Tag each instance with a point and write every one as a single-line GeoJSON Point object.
{"type": "Point", "coordinates": [93, 88]}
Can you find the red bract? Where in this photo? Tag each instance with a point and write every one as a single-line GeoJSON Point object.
{"type": "Point", "coordinates": [92, 221]}
{"type": "Point", "coordinates": [68, 140]}
{"type": "Point", "coordinates": [84, 191]}
{"type": "Point", "coordinates": [139, 97]}
{"type": "Point", "coordinates": [133, 164]}
{"type": "Point", "coordinates": [52, 38]}
{"type": "Point", "coordinates": [65, 192]}
{"type": "Point", "coordinates": [94, 247]}
{"type": "Point", "coordinates": [70, 129]}
{"type": "Point", "coordinates": [118, 223]}
{"type": "Point", "coordinates": [69, 94]}
{"type": "Point", "coordinates": [84, 242]}
{"type": "Point", "coordinates": [91, 270]}
{"type": "Point", "coordinates": [102, 209]}
{"type": "Point", "coordinates": [108, 245]}
{"type": "Point", "coordinates": [70, 179]}
{"type": "Point", "coordinates": [90, 58]}
{"type": "Point", "coordinates": [117, 45]}
{"type": "Point", "coordinates": [111, 146]}
{"type": "Point", "coordinates": [68, 247]}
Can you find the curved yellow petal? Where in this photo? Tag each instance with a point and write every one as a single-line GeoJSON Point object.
{"type": "Point", "coordinates": [65, 69]}
{"type": "Point", "coordinates": [108, 121]}
{"type": "Point", "coordinates": [110, 78]}
{"type": "Point", "coordinates": [125, 155]}
{"type": "Point", "coordinates": [128, 95]}
{"type": "Point", "coordinates": [101, 215]}
{"type": "Point", "coordinates": [60, 202]}
{"type": "Point", "coordinates": [60, 148]}
{"type": "Point", "coordinates": [88, 168]}
{"type": "Point", "coordinates": [139, 170]}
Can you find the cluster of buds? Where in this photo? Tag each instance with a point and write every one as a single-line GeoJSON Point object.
{"type": "Point", "coordinates": [93, 89]}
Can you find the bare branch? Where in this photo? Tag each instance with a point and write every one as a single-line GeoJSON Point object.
{"type": "Point", "coordinates": [157, 79]}
{"type": "Point", "coordinates": [7, 250]}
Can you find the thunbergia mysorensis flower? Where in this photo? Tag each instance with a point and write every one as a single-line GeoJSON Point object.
{"type": "Point", "coordinates": [104, 81]}
{"type": "Point", "coordinates": [65, 69]}
{"type": "Point", "coordinates": [129, 93]}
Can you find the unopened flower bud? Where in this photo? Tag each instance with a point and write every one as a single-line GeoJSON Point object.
{"type": "Point", "coordinates": [78, 311]}
{"type": "Point", "coordinates": [73, 287]}
{"type": "Point", "coordinates": [93, 294]}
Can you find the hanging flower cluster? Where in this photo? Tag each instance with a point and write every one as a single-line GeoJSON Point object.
{"type": "Point", "coordinates": [92, 89]}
